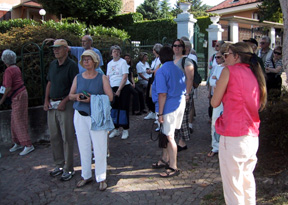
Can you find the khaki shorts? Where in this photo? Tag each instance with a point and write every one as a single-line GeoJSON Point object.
{"type": "Point", "coordinates": [174, 119]}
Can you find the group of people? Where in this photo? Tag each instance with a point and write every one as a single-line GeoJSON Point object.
{"type": "Point", "coordinates": [78, 100]}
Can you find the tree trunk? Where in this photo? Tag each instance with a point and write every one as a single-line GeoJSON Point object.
{"type": "Point", "coordinates": [284, 7]}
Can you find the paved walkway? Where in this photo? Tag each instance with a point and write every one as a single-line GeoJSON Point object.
{"type": "Point", "coordinates": [26, 180]}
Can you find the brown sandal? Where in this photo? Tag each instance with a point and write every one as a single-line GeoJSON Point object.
{"type": "Point", "coordinates": [211, 154]}
{"type": "Point", "coordinates": [103, 186]}
{"type": "Point", "coordinates": [170, 172]}
{"type": "Point", "coordinates": [83, 182]}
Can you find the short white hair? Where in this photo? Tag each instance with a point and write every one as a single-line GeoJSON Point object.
{"type": "Point", "coordinates": [8, 57]}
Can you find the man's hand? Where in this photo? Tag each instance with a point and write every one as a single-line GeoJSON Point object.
{"type": "Point", "coordinates": [62, 105]}
{"type": "Point", "coordinates": [47, 105]}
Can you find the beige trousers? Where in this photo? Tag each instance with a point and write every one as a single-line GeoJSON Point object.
{"type": "Point", "coordinates": [237, 157]}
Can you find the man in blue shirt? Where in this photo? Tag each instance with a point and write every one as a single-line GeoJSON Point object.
{"type": "Point", "coordinates": [87, 42]}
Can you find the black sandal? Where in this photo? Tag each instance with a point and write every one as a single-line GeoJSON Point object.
{"type": "Point", "coordinates": [171, 173]}
{"type": "Point", "coordinates": [159, 166]}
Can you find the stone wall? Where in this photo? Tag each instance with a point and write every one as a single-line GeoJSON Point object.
{"type": "Point", "coordinates": [38, 128]}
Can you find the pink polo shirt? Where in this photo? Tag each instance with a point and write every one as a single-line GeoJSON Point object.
{"type": "Point", "coordinates": [241, 103]}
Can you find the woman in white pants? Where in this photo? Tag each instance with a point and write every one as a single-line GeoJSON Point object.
{"type": "Point", "coordinates": [84, 85]}
{"type": "Point", "coordinates": [242, 90]}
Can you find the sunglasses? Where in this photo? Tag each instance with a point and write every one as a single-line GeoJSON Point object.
{"type": "Point", "coordinates": [278, 53]}
{"type": "Point", "coordinates": [218, 57]}
{"type": "Point", "coordinates": [262, 43]}
{"type": "Point", "coordinates": [226, 55]}
{"type": "Point", "coordinates": [179, 46]}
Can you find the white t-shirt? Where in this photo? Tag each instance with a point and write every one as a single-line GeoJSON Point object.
{"type": "Point", "coordinates": [193, 57]}
{"type": "Point", "coordinates": [116, 70]}
{"type": "Point", "coordinates": [155, 63]}
{"type": "Point", "coordinates": [215, 72]}
{"type": "Point", "coordinates": [141, 68]}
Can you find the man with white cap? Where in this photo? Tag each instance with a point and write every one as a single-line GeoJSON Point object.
{"type": "Point", "coordinates": [60, 109]}
{"type": "Point", "coordinates": [87, 42]}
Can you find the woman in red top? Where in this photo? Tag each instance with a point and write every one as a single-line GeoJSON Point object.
{"type": "Point", "coordinates": [15, 89]}
{"type": "Point", "coordinates": [242, 90]}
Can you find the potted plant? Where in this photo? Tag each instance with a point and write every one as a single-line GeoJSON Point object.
{"type": "Point", "coordinates": [214, 18]}
{"type": "Point", "coordinates": [184, 6]}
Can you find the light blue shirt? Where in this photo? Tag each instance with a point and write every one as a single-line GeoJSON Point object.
{"type": "Point", "coordinates": [77, 52]}
{"type": "Point", "coordinates": [100, 113]}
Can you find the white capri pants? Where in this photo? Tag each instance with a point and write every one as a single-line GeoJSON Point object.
{"type": "Point", "coordinates": [99, 140]}
{"type": "Point", "coordinates": [237, 158]}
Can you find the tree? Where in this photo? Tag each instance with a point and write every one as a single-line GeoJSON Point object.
{"type": "Point", "coordinates": [149, 9]}
{"type": "Point", "coordinates": [270, 11]}
{"type": "Point", "coordinates": [197, 9]}
{"type": "Point", "coordinates": [165, 9]}
{"type": "Point", "coordinates": [89, 11]}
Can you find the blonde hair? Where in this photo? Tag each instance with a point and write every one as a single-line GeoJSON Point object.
{"type": "Point", "coordinates": [247, 56]}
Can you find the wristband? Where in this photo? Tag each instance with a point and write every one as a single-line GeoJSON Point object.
{"type": "Point", "coordinates": [159, 115]}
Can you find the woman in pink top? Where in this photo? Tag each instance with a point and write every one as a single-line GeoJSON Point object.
{"type": "Point", "coordinates": [242, 90]}
{"type": "Point", "coordinates": [16, 91]}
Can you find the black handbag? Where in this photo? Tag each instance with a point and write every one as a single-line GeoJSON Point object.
{"type": "Point", "coordinates": [161, 137]}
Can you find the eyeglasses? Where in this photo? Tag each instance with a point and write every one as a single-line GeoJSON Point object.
{"type": "Point", "coordinates": [218, 57]}
{"type": "Point", "coordinates": [179, 46]}
{"type": "Point", "coordinates": [86, 59]}
{"type": "Point", "coordinates": [262, 43]}
{"type": "Point", "coordinates": [226, 55]}
{"type": "Point", "coordinates": [278, 53]}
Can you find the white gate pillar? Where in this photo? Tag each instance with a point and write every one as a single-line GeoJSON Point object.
{"type": "Point", "coordinates": [214, 34]}
{"type": "Point", "coordinates": [185, 23]}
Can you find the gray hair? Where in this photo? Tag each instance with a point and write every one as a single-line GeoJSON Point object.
{"type": "Point", "coordinates": [157, 47]}
{"type": "Point", "coordinates": [8, 57]}
{"type": "Point", "coordinates": [188, 45]}
{"type": "Point", "coordinates": [115, 47]}
{"type": "Point", "coordinates": [89, 38]}
{"type": "Point", "coordinates": [266, 38]}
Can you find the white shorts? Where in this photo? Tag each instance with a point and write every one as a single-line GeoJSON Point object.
{"type": "Point", "coordinates": [174, 119]}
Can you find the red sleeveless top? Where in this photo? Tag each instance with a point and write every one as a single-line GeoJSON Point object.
{"type": "Point", "coordinates": [241, 103]}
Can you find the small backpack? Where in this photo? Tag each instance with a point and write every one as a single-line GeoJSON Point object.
{"type": "Point", "coordinates": [197, 77]}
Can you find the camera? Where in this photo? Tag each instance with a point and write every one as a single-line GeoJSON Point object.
{"type": "Point", "coordinates": [83, 97]}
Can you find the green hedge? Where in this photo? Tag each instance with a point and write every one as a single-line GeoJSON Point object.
{"type": "Point", "coordinates": [152, 30]}
{"type": "Point", "coordinates": [20, 23]}
{"type": "Point", "coordinates": [124, 20]}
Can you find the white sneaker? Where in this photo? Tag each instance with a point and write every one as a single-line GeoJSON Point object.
{"type": "Point", "coordinates": [151, 115]}
{"type": "Point", "coordinates": [15, 147]}
{"type": "Point", "coordinates": [27, 150]}
{"type": "Point", "coordinates": [114, 133]}
{"type": "Point", "coordinates": [125, 135]}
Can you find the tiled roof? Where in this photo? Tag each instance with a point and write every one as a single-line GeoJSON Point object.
{"type": "Point", "coordinates": [29, 4]}
{"type": "Point", "coordinates": [231, 3]}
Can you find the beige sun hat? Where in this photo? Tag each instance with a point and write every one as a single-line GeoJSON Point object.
{"type": "Point", "coordinates": [95, 57]}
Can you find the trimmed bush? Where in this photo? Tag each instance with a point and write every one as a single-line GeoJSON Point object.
{"type": "Point", "coordinates": [20, 23]}
{"type": "Point", "coordinates": [153, 30]}
{"type": "Point", "coordinates": [124, 20]}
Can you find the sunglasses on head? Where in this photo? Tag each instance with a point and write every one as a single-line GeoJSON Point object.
{"type": "Point", "coordinates": [179, 46]}
{"type": "Point", "coordinates": [278, 53]}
